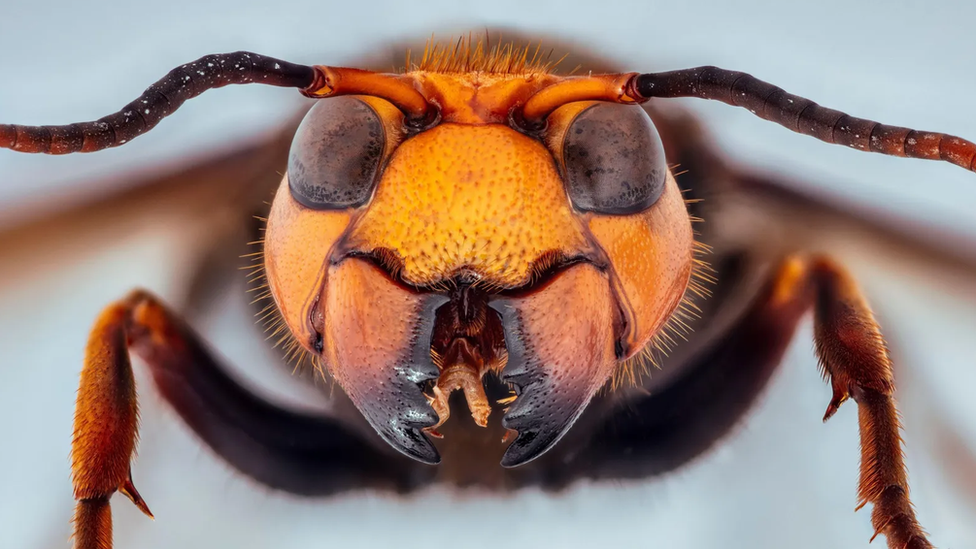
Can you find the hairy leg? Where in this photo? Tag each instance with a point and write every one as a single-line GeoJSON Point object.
{"type": "Point", "coordinates": [854, 360]}
{"type": "Point", "coordinates": [662, 431]}
{"type": "Point", "coordinates": [104, 430]}
{"type": "Point", "coordinates": [301, 454]}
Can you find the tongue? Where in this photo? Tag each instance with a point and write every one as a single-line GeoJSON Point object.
{"type": "Point", "coordinates": [461, 370]}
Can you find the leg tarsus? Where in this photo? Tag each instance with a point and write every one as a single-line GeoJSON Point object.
{"type": "Point", "coordinates": [893, 516]}
{"type": "Point", "coordinates": [93, 524]}
{"type": "Point", "coordinates": [854, 359]}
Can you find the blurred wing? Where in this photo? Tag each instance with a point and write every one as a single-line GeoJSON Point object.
{"type": "Point", "coordinates": [921, 282]}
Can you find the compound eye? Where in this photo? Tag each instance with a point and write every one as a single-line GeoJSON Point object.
{"type": "Point", "coordinates": [335, 155]}
{"type": "Point", "coordinates": [614, 160]}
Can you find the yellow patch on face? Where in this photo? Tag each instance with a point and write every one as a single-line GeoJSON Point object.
{"type": "Point", "coordinates": [296, 247]}
{"type": "Point", "coordinates": [651, 254]}
{"type": "Point", "coordinates": [486, 198]}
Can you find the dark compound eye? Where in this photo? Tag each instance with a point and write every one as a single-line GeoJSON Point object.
{"type": "Point", "coordinates": [335, 155]}
{"type": "Point", "coordinates": [614, 160]}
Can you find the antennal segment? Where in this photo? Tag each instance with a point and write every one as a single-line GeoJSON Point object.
{"type": "Point", "coordinates": [803, 115]}
{"type": "Point", "coordinates": [335, 81]}
{"type": "Point", "coordinates": [157, 102]}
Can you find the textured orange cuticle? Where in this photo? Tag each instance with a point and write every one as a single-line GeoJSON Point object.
{"type": "Point", "coordinates": [651, 257]}
{"type": "Point", "coordinates": [297, 244]}
{"type": "Point", "coordinates": [481, 197]}
{"type": "Point", "coordinates": [472, 194]}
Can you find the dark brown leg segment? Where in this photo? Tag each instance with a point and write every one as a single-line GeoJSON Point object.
{"type": "Point", "coordinates": [674, 424]}
{"type": "Point", "coordinates": [302, 454]}
{"type": "Point", "coordinates": [854, 360]}
{"type": "Point", "coordinates": [659, 433]}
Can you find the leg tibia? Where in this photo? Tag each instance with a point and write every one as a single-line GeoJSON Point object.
{"type": "Point", "coordinates": [105, 413]}
{"type": "Point", "coordinates": [106, 425]}
{"type": "Point", "coordinates": [855, 361]}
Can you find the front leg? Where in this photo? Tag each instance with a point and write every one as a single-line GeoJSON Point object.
{"type": "Point", "coordinates": [106, 423]}
{"type": "Point", "coordinates": [284, 450]}
{"type": "Point", "coordinates": [854, 360]}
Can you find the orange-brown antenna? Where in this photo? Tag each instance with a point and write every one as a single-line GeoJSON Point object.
{"type": "Point", "coordinates": [333, 81]}
{"type": "Point", "coordinates": [604, 87]}
{"type": "Point", "coordinates": [803, 115]}
{"type": "Point", "coordinates": [158, 101]}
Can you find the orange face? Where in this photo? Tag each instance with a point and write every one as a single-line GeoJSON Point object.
{"type": "Point", "coordinates": [416, 249]}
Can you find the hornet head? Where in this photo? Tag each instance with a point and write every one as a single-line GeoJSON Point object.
{"type": "Point", "coordinates": [476, 215]}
